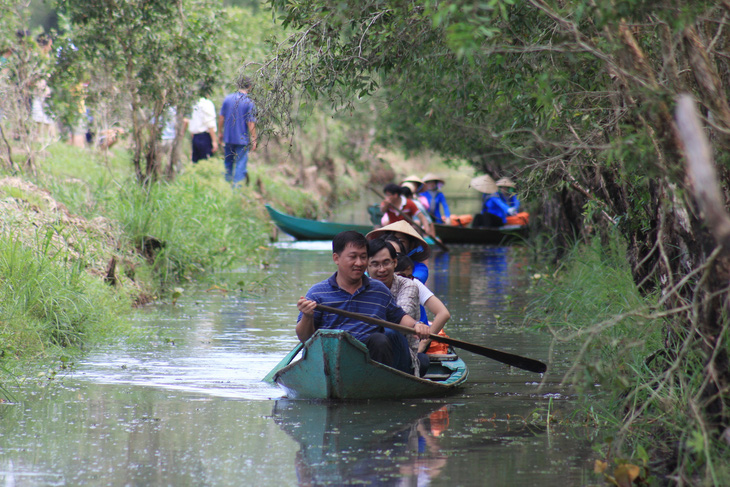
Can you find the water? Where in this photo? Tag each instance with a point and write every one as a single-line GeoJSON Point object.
{"type": "Point", "coordinates": [188, 407]}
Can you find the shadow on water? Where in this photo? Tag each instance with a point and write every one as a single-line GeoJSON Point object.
{"type": "Point", "coordinates": [189, 408]}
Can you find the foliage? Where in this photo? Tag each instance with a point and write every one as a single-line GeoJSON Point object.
{"type": "Point", "coordinates": [649, 388]}
{"type": "Point", "coordinates": [23, 82]}
{"type": "Point", "coordinates": [574, 97]}
{"type": "Point", "coordinates": [193, 225]}
{"type": "Point", "coordinates": [159, 50]}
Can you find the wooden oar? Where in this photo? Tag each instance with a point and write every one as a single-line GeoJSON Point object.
{"type": "Point", "coordinates": [410, 220]}
{"type": "Point", "coordinates": [504, 357]}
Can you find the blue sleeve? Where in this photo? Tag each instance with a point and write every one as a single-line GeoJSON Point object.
{"type": "Point", "coordinates": [420, 271]}
{"type": "Point", "coordinates": [496, 206]}
{"type": "Point", "coordinates": [442, 200]}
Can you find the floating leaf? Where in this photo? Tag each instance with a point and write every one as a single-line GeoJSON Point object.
{"type": "Point", "coordinates": [625, 474]}
{"type": "Point", "coordinates": [600, 466]}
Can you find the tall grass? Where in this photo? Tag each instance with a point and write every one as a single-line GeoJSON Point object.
{"type": "Point", "coordinates": [198, 223]}
{"type": "Point", "coordinates": [194, 224]}
{"type": "Point", "coordinates": [648, 395]}
{"type": "Point", "coordinates": [48, 300]}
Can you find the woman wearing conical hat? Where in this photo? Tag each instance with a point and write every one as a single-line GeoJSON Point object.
{"type": "Point", "coordinates": [495, 209]}
{"type": "Point", "coordinates": [413, 245]}
{"type": "Point", "coordinates": [506, 189]}
{"type": "Point", "coordinates": [436, 199]}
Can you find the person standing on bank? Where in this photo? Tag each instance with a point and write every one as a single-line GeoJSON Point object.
{"type": "Point", "coordinates": [237, 130]}
{"type": "Point", "coordinates": [350, 289]}
{"type": "Point", "coordinates": [202, 128]}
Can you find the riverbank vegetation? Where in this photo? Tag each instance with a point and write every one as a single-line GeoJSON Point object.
{"type": "Point", "coordinates": [575, 100]}
{"type": "Point", "coordinates": [82, 243]}
{"type": "Point", "coordinates": [641, 386]}
{"type": "Point", "coordinates": [581, 101]}
{"type": "Point", "coordinates": [115, 220]}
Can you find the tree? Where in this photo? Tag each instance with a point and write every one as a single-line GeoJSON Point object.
{"type": "Point", "coordinates": [156, 53]}
{"type": "Point", "coordinates": [23, 82]}
{"type": "Point", "coordinates": [576, 97]}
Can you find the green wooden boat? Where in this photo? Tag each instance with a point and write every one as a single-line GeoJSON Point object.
{"type": "Point", "coordinates": [304, 229]}
{"type": "Point", "coordinates": [335, 365]}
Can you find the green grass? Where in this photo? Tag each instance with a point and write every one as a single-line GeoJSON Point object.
{"type": "Point", "coordinates": [198, 221]}
{"type": "Point", "coordinates": [53, 299]}
{"type": "Point", "coordinates": [49, 301]}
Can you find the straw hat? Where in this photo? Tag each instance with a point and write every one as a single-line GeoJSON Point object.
{"type": "Point", "coordinates": [484, 184]}
{"type": "Point", "coordinates": [505, 183]}
{"type": "Point", "coordinates": [413, 179]}
{"type": "Point", "coordinates": [433, 177]}
{"type": "Point", "coordinates": [410, 185]}
{"type": "Point", "coordinates": [401, 226]}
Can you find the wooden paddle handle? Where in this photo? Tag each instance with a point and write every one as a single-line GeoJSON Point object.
{"type": "Point", "coordinates": [504, 357]}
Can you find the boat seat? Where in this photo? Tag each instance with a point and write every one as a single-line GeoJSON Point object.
{"type": "Point", "coordinates": [442, 357]}
{"type": "Point", "coordinates": [436, 377]}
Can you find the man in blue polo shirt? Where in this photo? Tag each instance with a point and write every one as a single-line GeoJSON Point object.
{"type": "Point", "coordinates": [351, 290]}
{"type": "Point", "coordinates": [237, 130]}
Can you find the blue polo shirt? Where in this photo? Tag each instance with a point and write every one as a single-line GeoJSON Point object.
{"type": "Point", "coordinates": [435, 203]}
{"type": "Point", "coordinates": [237, 110]}
{"type": "Point", "coordinates": [496, 206]}
{"type": "Point", "coordinates": [372, 299]}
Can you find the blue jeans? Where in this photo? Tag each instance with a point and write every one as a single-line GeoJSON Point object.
{"type": "Point", "coordinates": [236, 158]}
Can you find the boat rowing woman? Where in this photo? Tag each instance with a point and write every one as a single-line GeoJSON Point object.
{"type": "Point", "coordinates": [506, 191]}
{"type": "Point", "coordinates": [495, 208]}
{"type": "Point", "coordinates": [414, 246]}
{"type": "Point", "coordinates": [436, 199]}
{"type": "Point", "coordinates": [382, 261]}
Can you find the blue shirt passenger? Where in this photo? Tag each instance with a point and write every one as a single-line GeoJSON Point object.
{"type": "Point", "coordinates": [349, 289]}
{"type": "Point", "coordinates": [494, 205]}
{"type": "Point", "coordinates": [373, 299]}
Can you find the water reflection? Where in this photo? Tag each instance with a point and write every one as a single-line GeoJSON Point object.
{"type": "Point", "coordinates": [189, 408]}
{"type": "Point", "coordinates": [375, 444]}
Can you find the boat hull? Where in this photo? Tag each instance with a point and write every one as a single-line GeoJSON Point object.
{"type": "Point", "coordinates": [337, 366]}
{"type": "Point", "coordinates": [304, 229]}
{"type": "Point", "coordinates": [452, 234]}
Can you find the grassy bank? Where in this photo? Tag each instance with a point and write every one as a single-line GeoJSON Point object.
{"type": "Point", "coordinates": [82, 242]}
{"type": "Point", "coordinates": [647, 376]}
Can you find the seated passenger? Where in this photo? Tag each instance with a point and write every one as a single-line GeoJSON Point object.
{"type": "Point", "coordinates": [349, 289]}
{"type": "Point", "coordinates": [381, 266]}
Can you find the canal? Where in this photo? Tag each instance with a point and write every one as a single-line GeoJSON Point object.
{"type": "Point", "coordinates": [187, 406]}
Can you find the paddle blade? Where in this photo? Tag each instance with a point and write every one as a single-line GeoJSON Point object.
{"type": "Point", "coordinates": [523, 363]}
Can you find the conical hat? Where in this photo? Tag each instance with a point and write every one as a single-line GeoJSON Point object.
{"type": "Point", "coordinates": [412, 179]}
{"type": "Point", "coordinates": [410, 185]}
{"type": "Point", "coordinates": [433, 177]}
{"type": "Point", "coordinates": [505, 183]}
{"type": "Point", "coordinates": [401, 226]}
{"type": "Point", "coordinates": [484, 184]}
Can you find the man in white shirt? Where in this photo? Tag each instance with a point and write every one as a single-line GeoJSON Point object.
{"type": "Point", "coordinates": [202, 126]}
